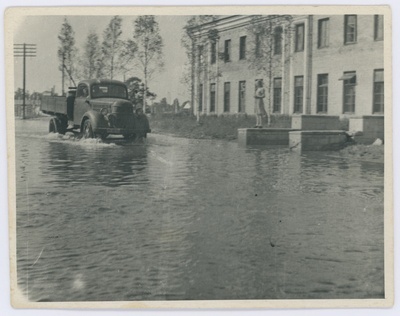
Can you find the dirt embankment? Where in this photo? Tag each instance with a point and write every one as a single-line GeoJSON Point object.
{"type": "Point", "coordinates": [372, 153]}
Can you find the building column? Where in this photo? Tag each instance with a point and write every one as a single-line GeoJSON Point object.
{"type": "Point", "coordinates": [291, 78]}
{"type": "Point", "coordinates": [217, 80]}
{"type": "Point", "coordinates": [308, 64]}
{"type": "Point", "coordinates": [283, 69]}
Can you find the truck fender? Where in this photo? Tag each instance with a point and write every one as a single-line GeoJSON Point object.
{"type": "Point", "coordinates": [97, 119]}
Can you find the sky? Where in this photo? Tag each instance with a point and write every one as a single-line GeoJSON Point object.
{"type": "Point", "coordinates": [42, 71]}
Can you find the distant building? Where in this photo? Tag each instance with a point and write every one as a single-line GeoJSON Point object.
{"type": "Point", "coordinates": [310, 64]}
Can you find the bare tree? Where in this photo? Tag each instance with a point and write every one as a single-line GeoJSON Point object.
{"type": "Point", "coordinates": [127, 56]}
{"type": "Point", "coordinates": [66, 52]}
{"type": "Point", "coordinates": [92, 64]}
{"type": "Point", "coordinates": [149, 48]}
{"type": "Point", "coordinates": [112, 45]}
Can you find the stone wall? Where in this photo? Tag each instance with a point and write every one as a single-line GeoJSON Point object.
{"type": "Point", "coordinates": [367, 128]}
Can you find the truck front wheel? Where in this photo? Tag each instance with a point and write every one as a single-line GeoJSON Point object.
{"type": "Point", "coordinates": [87, 129]}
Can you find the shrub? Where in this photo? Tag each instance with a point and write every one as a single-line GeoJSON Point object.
{"type": "Point", "coordinates": [209, 126]}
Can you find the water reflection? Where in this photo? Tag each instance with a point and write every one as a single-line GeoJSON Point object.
{"type": "Point", "coordinates": [325, 172]}
{"type": "Point", "coordinates": [96, 165]}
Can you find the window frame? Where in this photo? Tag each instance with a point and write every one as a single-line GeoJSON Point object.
{"type": "Point", "coordinates": [201, 91]}
{"type": "Point", "coordinates": [374, 94]}
{"type": "Point", "coordinates": [277, 96]}
{"type": "Point", "coordinates": [298, 95]}
{"type": "Point", "coordinates": [278, 31]}
{"type": "Point", "coordinates": [201, 54]}
{"type": "Point", "coordinates": [379, 26]}
{"type": "Point", "coordinates": [227, 97]}
{"type": "Point", "coordinates": [227, 50]}
{"type": "Point", "coordinates": [347, 84]}
{"type": "Point", "coordinates": [323, 35]}
{"type": "Point", "coordinates": [242, 96]}
{"type": "Point", "coordinates": [213, 52]}
{"type": "Point", "coordinates": [242, 47]}
{"type": "Point", "coordinates": [299, 43]}
{"type": "Point", "coordinates": [347, 41]}
{"type": "Point", "coordinates": [324, 88]}
{"type": "Point", "coordinates": [79, 90]}
{"type": "Point", "coordinates": [213, 99]}
{"type": "Point", "coordinates": [258, 52]}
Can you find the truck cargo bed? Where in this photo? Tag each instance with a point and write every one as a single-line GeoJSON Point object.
{"type": "Point", "coordinates": [54, 105]}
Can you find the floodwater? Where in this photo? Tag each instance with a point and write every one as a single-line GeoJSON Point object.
{"type": "Point", "coordinates": [181, 219]}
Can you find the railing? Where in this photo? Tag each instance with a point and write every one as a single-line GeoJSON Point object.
{"type": "Point", "coordinates": [31, 109]}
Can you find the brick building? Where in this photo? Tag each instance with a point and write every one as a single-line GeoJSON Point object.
{"type": "Point", "coordinates": [310, 64]}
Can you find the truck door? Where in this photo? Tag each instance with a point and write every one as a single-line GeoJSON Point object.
{"type": "Point", "coordinates": [80, 105]}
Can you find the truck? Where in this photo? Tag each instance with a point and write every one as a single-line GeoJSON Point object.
{"type": "Point", "coordinates": [95, 109]}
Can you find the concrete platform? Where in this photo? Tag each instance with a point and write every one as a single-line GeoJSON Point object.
{"type": "Point", "coordinates": [367, 128]}
{"type": "Point", "coordinates": [263, 136]}
{"type": "Point", "coordinates": [317, 140]}
{"type": "Point", "coordinates": [315, 122]}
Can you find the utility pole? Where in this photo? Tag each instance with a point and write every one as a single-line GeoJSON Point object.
{"type": "Point", "coordinates": [24, 50]}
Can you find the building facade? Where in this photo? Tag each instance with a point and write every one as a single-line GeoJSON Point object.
{"type": "Point", "coordinates": [309, 64]}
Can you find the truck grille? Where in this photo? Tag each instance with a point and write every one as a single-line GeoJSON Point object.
{"type": "Point", "coordinates": [121, 121]}
{"type": "Point", "coordinates": [122, 108]}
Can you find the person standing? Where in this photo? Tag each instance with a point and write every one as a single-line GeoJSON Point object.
{"type": "Point", "coordinates": [141, 124]}
{"type": "Point", "coordinates": [259, 103]}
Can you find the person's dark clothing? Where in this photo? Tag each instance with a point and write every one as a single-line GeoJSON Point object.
{"type": "Point", "coordinates": [142, 126]}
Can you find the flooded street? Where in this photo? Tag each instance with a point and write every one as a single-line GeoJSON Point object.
{"type": "Point", "coordinates": [184, 219]}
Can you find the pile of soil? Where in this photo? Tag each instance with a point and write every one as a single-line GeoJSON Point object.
{"type": "Point", "coordinates": [373, 153]}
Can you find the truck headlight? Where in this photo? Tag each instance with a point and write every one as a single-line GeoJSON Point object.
{"type": "Point", "coordinates": [104, 111]}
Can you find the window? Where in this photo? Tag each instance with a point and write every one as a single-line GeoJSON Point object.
{"type": "Point", "coordinates": [299, 37]}
{"type": "Point", "coordinates": [298, 94]}
{"type": "Point", "coordinates": [82, 91]}
{"type": "Point", "coordinates": [109, 91]}
{"type": "Point", "coordinates": [212, 97]}
{"type": "Point", "coordinates": [350, 29]}
{"type": "Point", "coordinates": [323, 33]}
{"type": "Point", "coordinates": [278, 40]}
{"type": "Point", "coordinates": [227, 50]}
{"type": "Point", "coordinates": [200, 56]}
{"type": "Point", "coordinates": [258, 45]}
{"type": "Point", "coordinates": [378, 28]}
{"type": "Point", "coordinates": [277, 95]}
{"type": "Point", "coordinates": [349, 91]}
{"type": "Point", "coordinates": [242, 51]}
{"type": "Point", "coordinates": [379, 96]}
{"type": "Point", "coordinates": [242, 96]}
{"type": "Point", "coordinates": [213, 52]}
{"type": "Point", "coordinates": [227, 96]}
{"type": "Point", "coordinates": [200, 98]}
{"type": "Point", "coordinates": [322, 94]}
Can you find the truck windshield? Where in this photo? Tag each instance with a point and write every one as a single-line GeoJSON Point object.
{"type": "Point", "coordinates": [109, 91]}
